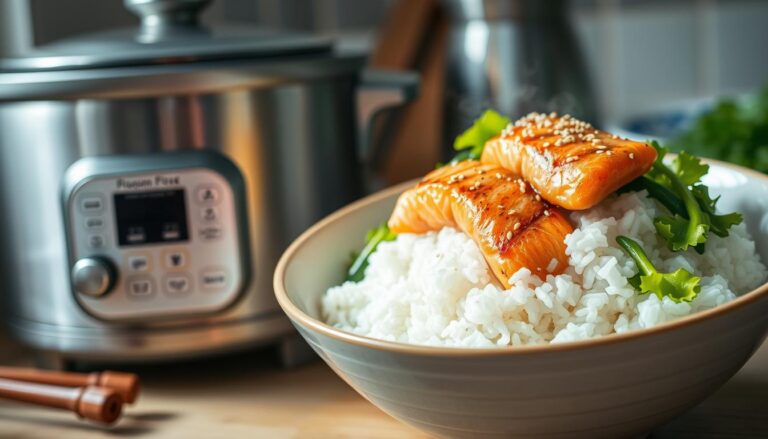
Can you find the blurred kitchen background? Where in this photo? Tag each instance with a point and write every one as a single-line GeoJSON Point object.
{"type": "Point", "coordinates": [638, 52]}
{"type": "Point", "coordinates": [638, 55]}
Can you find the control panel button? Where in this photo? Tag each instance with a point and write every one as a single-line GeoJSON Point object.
{"type": "Point", "coordinates": [95, 241]}
{"type": "Point", "coordinates": [178, 284]}
{"type": "Point", "coordinates": [138, 262]}
{"type": "Point", "coordinates": [139, 287]}
{"type": "Point", "coordinates": [171, 231]}
{"type": "Point", "coordinates": [213, 279]}
{"type": "Point", "coordinates": [91, 204]}
{"type": "Point", "coordinates": [208, 195]}
{"type": "Point", "coordinates": [209, 214]}
{"type": "Point", "coordinates": [210, 233]}
{"type": "Point", "coordinates": [94, 223]}
{"type": "Point", "coordinates": [136, 235]}
{"type": "Point", "coordinates": [175, 259]}
{"type": "Point", "coordinates": [93, 276]}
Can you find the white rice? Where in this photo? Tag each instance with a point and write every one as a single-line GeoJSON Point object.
{"type": "Point", "coordinates": [436, 289]}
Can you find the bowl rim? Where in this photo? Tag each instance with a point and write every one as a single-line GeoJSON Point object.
{"type": "Point", "coordinates": [297, 315]}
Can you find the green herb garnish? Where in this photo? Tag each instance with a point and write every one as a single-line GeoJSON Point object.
{"type": "Point", "coordinates": [376, 236]}
{"type": "Point", "coordinates": [680, 190]}
{"type": "Point", "coordinates": [680, 231]}
{"type": "Point", "coordinates": [718, 224]}
{"type": "Point", "coordinates": [679, 286]}
{"type": "Point", "coordinates": [472, 141]}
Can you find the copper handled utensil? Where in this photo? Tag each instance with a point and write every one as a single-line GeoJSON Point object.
{"type": "Point", "coordinates": [100, 404]}
{"type": "Point", "coordinates": [125, 384]}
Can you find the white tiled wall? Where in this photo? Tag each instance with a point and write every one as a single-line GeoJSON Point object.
{"type": "Point", "coordinates": [645, 53]}
{"type": "Point", "coordinates": [741, 44]}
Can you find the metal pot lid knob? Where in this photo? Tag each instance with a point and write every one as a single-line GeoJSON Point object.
{"type": "Point", "coordinates": [165, 12]}
{"type": "Point", "coordinates": [166, 19]}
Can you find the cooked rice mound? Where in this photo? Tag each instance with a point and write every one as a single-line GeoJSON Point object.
{"type": "Point", "coordinates": [436, 289]}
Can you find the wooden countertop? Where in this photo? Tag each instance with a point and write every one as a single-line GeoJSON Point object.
{"type": "Point", "coordinates": [249, 395]}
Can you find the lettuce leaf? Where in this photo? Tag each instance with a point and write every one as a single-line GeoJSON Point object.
{"type": "Point", "coordinates": [489, 125]}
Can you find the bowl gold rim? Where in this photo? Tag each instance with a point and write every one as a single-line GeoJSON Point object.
{"type": "Point", "coordinates": [295, 314]}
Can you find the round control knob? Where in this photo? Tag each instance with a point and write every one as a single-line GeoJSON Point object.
{"type": "Point", "coordinates": [93, 276]}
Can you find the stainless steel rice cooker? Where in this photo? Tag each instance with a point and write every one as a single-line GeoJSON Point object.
{"type": "Point", "coordinates": [150, 178]}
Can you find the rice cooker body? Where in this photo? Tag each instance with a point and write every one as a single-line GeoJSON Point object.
{"type": "Point", "coordinates": [172, 187]}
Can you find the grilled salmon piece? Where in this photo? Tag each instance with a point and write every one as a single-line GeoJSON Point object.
{"type": "Point", "coordinates": [570, 163]}
{"type": "Point", "coordinates": [506, 218]}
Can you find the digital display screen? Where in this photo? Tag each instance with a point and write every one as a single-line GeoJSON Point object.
{"type": "Point", "coordinates": [151, 217]}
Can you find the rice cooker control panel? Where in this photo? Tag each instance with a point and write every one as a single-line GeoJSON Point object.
{"type": "Point", "coordinates": [153, 236]}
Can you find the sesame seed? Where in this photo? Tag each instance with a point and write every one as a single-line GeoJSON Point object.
{"type": "Point", "coordinates": [517, 226]}
{"type": "Point", "coordinates": [509, 235]}
{"type": "Point", "coordinates": [546, 213]}
{"type": "Point", "coordinates": [498, 175]}
{"type": "Point", "coordinates": [538, 197]}
{"type": "Point", "coordinates": [631, 155]}
{"type": "Point", "coordinates": [599, 151]}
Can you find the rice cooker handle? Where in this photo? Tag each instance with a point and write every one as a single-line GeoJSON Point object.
{"type": "Point", "coordinates": [379, 92]}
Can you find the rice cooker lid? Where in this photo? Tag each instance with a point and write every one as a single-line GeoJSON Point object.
{"type": "Point", "coordinates": [170, 33]}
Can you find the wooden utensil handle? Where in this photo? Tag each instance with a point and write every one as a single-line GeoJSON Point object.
{"type": "Point", "coordinates": [126, 384]}
{"type": "Point", "coordinates": [98, 404]}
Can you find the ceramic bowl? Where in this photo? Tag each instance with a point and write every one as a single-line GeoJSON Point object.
{"type": "Point", "coordinates": [616, 386]}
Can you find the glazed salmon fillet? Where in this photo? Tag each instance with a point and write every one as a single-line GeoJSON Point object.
{"type": "Point", "coordinates": [512, 225]}
{"type": "Point", "coordinates": [570, 163]}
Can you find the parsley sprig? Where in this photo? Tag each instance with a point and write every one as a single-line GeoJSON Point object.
{"type": "Point", "coordinates": [678, 187]}
{"type": "Point", "coordinates": [680, 285]}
